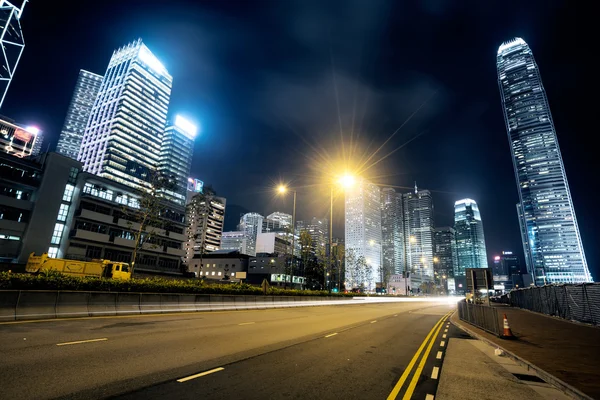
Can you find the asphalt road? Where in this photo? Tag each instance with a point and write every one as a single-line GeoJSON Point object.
{"type": "Point", "coordinates": [354, 352]}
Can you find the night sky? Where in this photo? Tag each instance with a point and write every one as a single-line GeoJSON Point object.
{"type": "Point", "coordinates": [270, 84]}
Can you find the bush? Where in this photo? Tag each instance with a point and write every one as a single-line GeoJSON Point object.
{"type": "Point", "coordinates": [58, 281]}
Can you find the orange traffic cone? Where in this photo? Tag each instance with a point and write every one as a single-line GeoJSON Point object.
{"type": "Point", "coordinates": [507, 332]}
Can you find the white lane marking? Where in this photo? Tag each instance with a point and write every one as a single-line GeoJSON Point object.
{"type": "Point", "coordinates": [373, 321]}
{"type": "Point", "coordinates": [82, 341]}
{"type": "Point", "coordinates": [331, 334]}
{"type": "Point", "coordinates": [444, 336]}
{"type": "Point", "coordinates": [439, 355]}
{"type": "Point", "coordinates": [429, 397]}
{"type": "Point", "coordinates": [445, 330]}
{"type": "Point", "coordinates": [212, 371]}
{"type": "Point", "coordinates": [435, 372]}
{"type": "Point", "coordinates": [442, 343]}
{"type": "Point", "coordinates": [247, 323]}
{"type": "Point", "coordinates": [395, 315]}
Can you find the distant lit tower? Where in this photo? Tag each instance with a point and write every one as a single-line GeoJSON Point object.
{"type": "Point", "coordinates": [392, 232]}
{"type": "Point", "coordinates": [554, 253]}
{"type": "Point", "coordinates": [11, 38]}
{"type": "Point", "coordinates": [363, 234]}
{"type": "Point", "coordinates": [78, 113]}
{"type": "Point", "coordinates": [175, 159]}
{"type": "Point", "coordinates": [419, 236]}
{"type": "Point", "coordinates": [123, 137]}
{"type": "Point", "coordinates": [470, 241]}
{"type": "Point", "coordinates": [445, 257]}
{"type": "Point", "coordinates": [251, 224]}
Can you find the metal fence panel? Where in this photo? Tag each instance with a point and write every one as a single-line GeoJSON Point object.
{"type": "Point", "coordinates": [484, 317]}
{"type": "Point", "coordinates": [579, 302]}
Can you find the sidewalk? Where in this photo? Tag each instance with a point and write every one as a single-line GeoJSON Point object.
{"type": "Point", "coordinates": [565, 350]}
{"type": "Point", "coordinates": [472, 371]}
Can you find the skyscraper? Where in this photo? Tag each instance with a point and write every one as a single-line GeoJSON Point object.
{"type": "Point", "coordinates": [470, 242]}
{"type": "Point", "coordinates": [419, 234]}
{"type": "Point", "coordinates": [363, 234]}
{"type": "Point", "coordinates": [11, 39]}
{"type": "Point", "coordinates": [175, 160]}
{"type": "Point", "coordinates": [318, 229]}
{"type": "Point", "coordinates": [205, 224]}
{"type": "Point", "coordinates": [78, 113]}
{"type": "Point", "coordinates": [554, 252]}
{"type": "Point", "coordinates": [392, 232]}
{"type": "Point", "coordinates": [122, 140]}
{"type": "Point", "coordinates": [444, 256]}
{"type": "Point", "coordinates": [251, 224]}
{"type": "Point", "coordinates": [279, 220]}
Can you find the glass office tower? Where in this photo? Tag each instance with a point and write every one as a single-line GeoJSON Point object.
{"type": "Point", "coordinates": [553, 251]}
{"type": "Point", "coordinates": [84, 96]}
{"type": "Point", "coordinates": [470, 241]}
{"type": "Point", "coordinates": [392, 232]}
{"type": "Point", "coordinates": [123, 137]}
{"type": "Point", "coordinates": [419, 236]}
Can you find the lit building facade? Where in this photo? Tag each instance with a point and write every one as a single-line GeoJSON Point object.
{"type": "Point", "coordinates": [277, 221]}
{"type": "Point", "coordinates": [392, 232]}
{"type": "Point", "coordinates": [506, 271]}
{"type": "Point", "coordinates": [470, 241]}
{"type": "Point", "coordinates": [554, 252]}
{"type": "Point", "coordinates": [204, 224]}
{"type": "Point", "coordinates": [78, 113]}
{"type": "Point", "coordinates": [445, 257]}
{"type": "Point", "coordinates": [419, 234]}
{"type": "Point", "coordinates": [17, 140]}
{"type": "Point", "coordinates": [234, 240]}
{"type": "Point", "coordinates": [318, 229]}
{"type": "Point", "coordinates": [11, 39]}
{"type": "Point", "coordinates": [251, 224]}
{"type": "Point", "coordinates": [123, 137]}
{"type": "Point", "coordinates": [175, 160]}
{"type": "Point", "coordinates": [363, 234]}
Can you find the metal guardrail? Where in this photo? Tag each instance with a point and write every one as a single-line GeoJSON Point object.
{"type": "Point", "coordinates": [573, 302]}
{"type": "Point", "coordinates": [483, 317]}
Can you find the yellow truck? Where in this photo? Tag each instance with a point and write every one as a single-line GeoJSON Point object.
{"type": "Point", "coordinates": [97, 268]}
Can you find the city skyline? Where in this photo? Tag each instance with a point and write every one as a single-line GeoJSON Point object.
{"type": "Point", "coordinates": [503, 219]}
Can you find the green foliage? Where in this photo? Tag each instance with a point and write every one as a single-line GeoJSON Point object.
{"type": "Point", "coordinates": [57, 281]}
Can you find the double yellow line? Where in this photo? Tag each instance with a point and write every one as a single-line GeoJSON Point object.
{"type": "Point", "coordinates": [433, 333]}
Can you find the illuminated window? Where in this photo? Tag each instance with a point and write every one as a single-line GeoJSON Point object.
{"type": "Point", "coordinates": [219, 273]}
{"type": "Point", "coordinates": [213, 272]}
{"type": "Point", "coordinates": [52, 252]}
{"type": "Point", "coordinates": [68, 194]}
{"type": "Point", "coordinates": [57, 234]}
{"type": "Point", "coordinates": [62, 212]}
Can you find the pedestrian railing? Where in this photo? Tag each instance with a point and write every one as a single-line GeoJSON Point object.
{"type": "Point", "coordinates": [579, 302]}
{"type": "Point", "coordinates": [482, 316]}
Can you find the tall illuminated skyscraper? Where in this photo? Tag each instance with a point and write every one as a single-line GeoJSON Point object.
{"type": "Point", "coordinates": [82, 102]}
{"type": "Point", "coordinates": [175, 159]}
{"type": "Point", "coordinates": [553, 250]}
{"type": "Point", "coordinates": [251, 224]}
{"type": "Point", "coordinates": [363, 234]}
{"type": "Point", "coordinates": [470, 241]}
{"type": "Point", "coordinates": [123, 137]}
{"type": "Point", "coordinates": [392, 232]}
{"type": "Point", "coordinates": [419, 236]}
{"type": "Point", "coordinates": [11, 40]}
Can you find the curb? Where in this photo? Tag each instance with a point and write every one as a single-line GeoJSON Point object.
{"type": "Point", "coordinates": [551, 379]}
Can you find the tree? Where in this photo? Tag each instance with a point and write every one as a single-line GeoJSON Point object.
{"type": "Point", "coordinates": [146, 216]}
{"type": "Point", "coordinates": [198, 211]}
{"type": "Point", "coordinates": [305, 249]}
{"type": "Point", "coordinates": [337, 253]}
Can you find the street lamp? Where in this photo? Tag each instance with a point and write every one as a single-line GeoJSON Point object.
{"type": "Point", "coordinates": [282, 189]}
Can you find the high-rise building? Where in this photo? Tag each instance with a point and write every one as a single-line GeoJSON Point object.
{"type": "Point", "coordinates": [470, 241]}
{"type": "Point", "coordinates": [251, 224]}
{"type": "Point", "coordinates": [419, 234]}
{"type": "Point", "coordinates": [123, 137]}
{"type": "Point", "coordinates": [78, 113]}
{"type": "Point", "coordinates": [234, 240]}
{"type": "Point", "coordinates": [363, 234]}
{"type": "Point", "coordinates": [277, 220]}
{"type": "Point", "coordinates": [506, 271]}
{"type": "Point", "coordinates": [554, 253]}
{"type": "Point", "coordinates": [11, 39]}
{"type": "Point", "coordinates": [175, 159]}
{"type": "Point", "coordinates": [318, 229]}
{"type": "Point", "coordinates": [39, 142]}
{"type": "Point", "coordinates": [205, 224]}
{"type": "Point", "coordinates": [392, 232]}
{"type": "Point", "coordinates": [445, 257]}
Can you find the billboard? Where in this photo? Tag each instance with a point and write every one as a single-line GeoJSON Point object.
{"type": "Point", "coordinates": [16, 140]}
{"type": "Point", "coordinates": [195, 185]}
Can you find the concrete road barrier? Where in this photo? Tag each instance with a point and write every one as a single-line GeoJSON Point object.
{"type": "Point", "coordinates": [150, 303]}
{"type": "Point", "coordinates": [187, 302]}
{"type": "Point", "coordinates": [8, 304]}
{"type": "Point", "coordinates": [228, 302]}
{"type": "Point", "coordinates": [128, 303]}
{"type": "Point", "coordinates": [169, 302]}
{"type": "Point", "coordinates": [72, 304]}
{"type": "Point", "coordinates": [203, 302]}
{"type": "Point", "coordinates": [102, 303]}
{"type": "Point", "coordinates": [36, 305]}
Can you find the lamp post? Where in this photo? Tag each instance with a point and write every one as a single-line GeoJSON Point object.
{"type": "Point", "coordinates": [282, 190]}
{"type": "Point", "coordinates": [411, 240]}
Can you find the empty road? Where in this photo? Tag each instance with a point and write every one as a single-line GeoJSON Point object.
{"type": "Point", "coordinates": [329, 352]}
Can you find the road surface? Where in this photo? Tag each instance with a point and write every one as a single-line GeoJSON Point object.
{"type": "Point", "coordinates": [330, 352]}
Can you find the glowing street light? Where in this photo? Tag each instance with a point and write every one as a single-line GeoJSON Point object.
{"type": "Point", "coordinates": [347, 181]}
{"type": "Point", "coordinates": [282, 189]}
{"type": "Point", "coordinates": [435, 259]}
{"type": "Point", "coordinates": [412, 239]}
